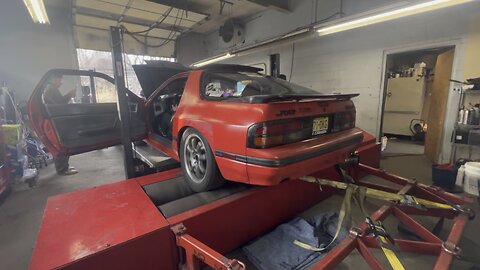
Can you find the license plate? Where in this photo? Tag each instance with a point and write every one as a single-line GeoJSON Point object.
{"type": "Point", "coordinates": [320, 125]}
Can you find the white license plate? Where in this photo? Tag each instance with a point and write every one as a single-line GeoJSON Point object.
{"type": "Point", "coordinates": [320, 125]}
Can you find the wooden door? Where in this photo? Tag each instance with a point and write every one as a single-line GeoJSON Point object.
{"type": "Point", "coordinates": [438, 106]}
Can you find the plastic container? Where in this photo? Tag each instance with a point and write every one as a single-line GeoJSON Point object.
{"type": "Point", "coordinates": [472, 177]}
{"type": "Point", "coordinates": [444, 176]}
{"type": "Point", "coordinates": [460, 176]}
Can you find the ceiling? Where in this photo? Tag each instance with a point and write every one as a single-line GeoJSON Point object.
{"type": "Point", "coordinates": [155, 22]}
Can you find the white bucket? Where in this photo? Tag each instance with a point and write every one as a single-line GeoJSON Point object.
{"type": "Point", "coordinates": [472, 178]}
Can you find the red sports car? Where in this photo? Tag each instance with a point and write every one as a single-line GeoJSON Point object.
{"type": "Point", "coordinates": [220, 122]}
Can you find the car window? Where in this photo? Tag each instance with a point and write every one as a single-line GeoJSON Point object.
{"type": "Point", "coordinates": [223, 85]}
{"type": "Point", "coordinates": [174, 87]}
{"type": "Point", "coordinates": [170, 95]}
{"type": "Point", "coordinates": [74, 89]}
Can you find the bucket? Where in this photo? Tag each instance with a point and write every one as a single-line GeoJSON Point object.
{"type": "Point", "coordinates": [472, 177]}
{"type": "Point", "coordinates": [444, 176]}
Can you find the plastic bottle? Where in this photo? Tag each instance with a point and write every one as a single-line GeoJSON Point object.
{"type": "Point", "coordinates": [460, 175]}
{"type": "Point", "coordinates": [461, 114]}
{"type": "Point", "coordinates": [465, 117]}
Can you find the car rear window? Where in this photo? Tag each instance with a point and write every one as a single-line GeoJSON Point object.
{"type": "Point", "coordinates": [230, 85]}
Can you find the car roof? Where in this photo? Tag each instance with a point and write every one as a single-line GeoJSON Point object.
{"type": "Point", "coordinates": [155, 73]}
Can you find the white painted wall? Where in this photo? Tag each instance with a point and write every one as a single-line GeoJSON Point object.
{"type": "Point", "coordinates": [28, 50]}
{"type": "Point", "coordinates": [353, 61]}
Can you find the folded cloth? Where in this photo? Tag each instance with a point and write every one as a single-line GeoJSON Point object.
{"type": "Point", "coordinates": [276, 249]}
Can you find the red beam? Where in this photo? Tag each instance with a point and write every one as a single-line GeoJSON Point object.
{"type": "Point", "coordinates": [456, 199]}
{"type": "Point", "coordinates": [368, 256]}
{"type": "Point", "coordinates": [377, 186]}
{"type": "Point", "coordinates": [385, 175]}
{"type": "Point", "coordinates": [416, 227]}
{"type": "Point", "coordinates": [430, 191]}
{"type": "Point", "coordinates": [198, 253]}
{"type": "Point", "coordinates": [418, 247]}
{"type": "Point", "coordinates": [337, 254]}
{"type": "Point", "coordinates": [432, 212]}
{"type": "Point", "coordinates": [429, 195]}
{"type": "Point", "coordinates": [445, 259]}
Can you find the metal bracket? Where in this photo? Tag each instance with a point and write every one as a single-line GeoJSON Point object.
{"type": "Point", "coordinates": [451, 248]}
{"type": "Point", "coordinates": [355, 232]}
{"type": "Point", "coordinates": [465, 210]}
{"type": "Point", "coordinates": [198, 253]}
{"type": "Point", "coordinates": [236, 265]}
{"type": "Point", "coordinates": [410, 201]}
{"type": "Point", "coordinates": [377, 229]}
{"type": "Point", "coordinates": [352, 160]}
{"type": "Point", "coordinates": [179, 229]}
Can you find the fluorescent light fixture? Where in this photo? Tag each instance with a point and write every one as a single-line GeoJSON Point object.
{"type": "Point", "coordinates": [37, 11]}
{"type": "Point", "coordinates": [389, 15]}
{"type": "Point", "coordinates": [213, 60]}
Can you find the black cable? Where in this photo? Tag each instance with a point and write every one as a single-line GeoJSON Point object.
{"type": "Point", "coordinates": [329, 17]}
{"type": "Point", "coordinates": [168, 39]}
{"type": "Point", "coordinates": [154, 25]}
{"type": "Point", "coordinates": [291, 65]}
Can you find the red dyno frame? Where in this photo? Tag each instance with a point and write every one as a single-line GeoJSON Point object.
{"type": "Point", "coordinates": [197, 253]}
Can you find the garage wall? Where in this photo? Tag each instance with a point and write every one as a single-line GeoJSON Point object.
{"type": "Point", "coordinates": [191, 48]}
{"type": "Point", "coordinates": [28, 50]}
{"type": "Point", "coordinates": [472, 50]}
{"type": "Point", "coordinates": [353, 61]}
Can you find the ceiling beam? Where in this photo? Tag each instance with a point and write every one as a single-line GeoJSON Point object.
{"type": "Point", "coordinates": [187, 5]}
{"type": "Point", "coordinates": [108, 30]}
{"type": "Point", "coordinates": [127, 19]}
{"type": "Point", "coordinates": [281, 5]}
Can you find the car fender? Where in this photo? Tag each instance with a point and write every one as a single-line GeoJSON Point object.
{"type": "Point", "coordinates": [202, 126]}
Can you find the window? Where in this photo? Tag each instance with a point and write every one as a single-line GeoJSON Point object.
{"type": "Point", "coordinates": [66, 89]}
{"type": "Point", "coordinates": [223, 85]}
{"type": "Point", "coordinates": [102, 62]}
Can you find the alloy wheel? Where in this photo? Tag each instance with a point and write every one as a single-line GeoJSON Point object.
{"type": "Point", "coordinates": [195, 158]}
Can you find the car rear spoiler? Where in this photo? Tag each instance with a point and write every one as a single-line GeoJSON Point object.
{"type": "Point", "coordinates": [278, 98]}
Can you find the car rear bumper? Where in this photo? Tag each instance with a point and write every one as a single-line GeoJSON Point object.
{"type": "Point", "coordinates": [274, 165]}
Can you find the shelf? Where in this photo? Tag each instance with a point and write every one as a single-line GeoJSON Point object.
{"type": "Point", "coordinates": [472, 92]}
{"type": "Point", "coordinates": [464, 144]}
{"type": "Point", "coordinates": [467, 126]}
{"type": "Point", "coordinates": [465, 129]}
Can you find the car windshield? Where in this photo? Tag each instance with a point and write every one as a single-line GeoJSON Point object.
{"type": "Point", "coordinates": [223, 85]}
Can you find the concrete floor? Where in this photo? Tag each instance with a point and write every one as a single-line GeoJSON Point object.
{"type": "Point", "coordinates": [21, 211]}
{"type": "Point", "coordinates": [403, 147]}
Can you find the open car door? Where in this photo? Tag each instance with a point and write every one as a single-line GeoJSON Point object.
{"type": "Point", "coordinates": [86, 122]}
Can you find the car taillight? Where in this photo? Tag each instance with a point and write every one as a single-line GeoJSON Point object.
{"type": "Point", "coordinates": [269, 134]}
{"type": "Point", "coordinates": [343, 121]}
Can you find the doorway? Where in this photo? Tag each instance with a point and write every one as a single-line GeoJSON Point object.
{"type": "Point", "coordinates": [415, 101]}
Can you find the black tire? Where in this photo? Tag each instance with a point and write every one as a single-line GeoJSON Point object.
{"type": "Point", "coordinates": [199, 167]}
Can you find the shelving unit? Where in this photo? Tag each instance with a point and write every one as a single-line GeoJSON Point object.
{"type": "Point", "coordinates": [465, 130]}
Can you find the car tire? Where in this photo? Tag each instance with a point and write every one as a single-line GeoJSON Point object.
{"type": "Point", "coordinates": [199, 167]}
